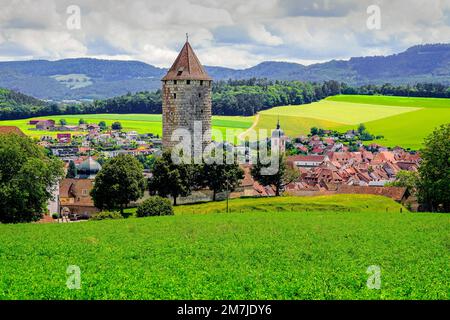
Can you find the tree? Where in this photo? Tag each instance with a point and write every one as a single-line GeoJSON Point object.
{"type": "Point", "coordinates": [102, 125]}
{"type": "Point", "coordinates": [284, 175]}
{"type": "Point", "coordinates": [361, 128]}
{"type": "Point", "coordinates": [62, 122]}
{"type": "Point", "coordinates": [81, 121]}
{"type": "Point", "coordinates": [434, 171]}
{"type": "Point", "coordinates": [155, 206]}
{"type": "Point", "coordinates": [170, 179]}
{"type": "Point", "coordinates": [406, 179]}
{"type": "Point", "coordinates": [221, 177]}
{"type": "Point", "coordinates": [27, 178]}
{"type": "Point", "coordinates": [314, 131]}
{"type": "Point", "coordinates": [72, 170]}
{"type": "Point", "coordinates": [116, 126]}
{"type": "Point", "coordinates": [120, 181]}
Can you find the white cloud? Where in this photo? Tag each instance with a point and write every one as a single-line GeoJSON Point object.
{"type": "Point", "coordinates": [153, 31]}
{"type": "Point", "coordinates": [259, 33]}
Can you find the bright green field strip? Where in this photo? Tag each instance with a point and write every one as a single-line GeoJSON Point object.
{"type": "Point", "coordinates": [409, 129]}
{"type": "Point", "coordinates": [142, 123]}
{"type": "Point", "coordinates": [393, 101]}
{"type": "Point", "coordinates": [341, 112]}
{"type": "Point", "coordinates": [270, 255]}
{"type": "Point", "coordinates": [335, 203]}
{"type": "Point", "coordinates": [294, 125]}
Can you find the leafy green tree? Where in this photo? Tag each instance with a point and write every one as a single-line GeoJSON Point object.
{"type": "Point", "coordinates": [361, 128]}
{"type": "Point", "coordinates": [220, 177]}
{"type": "Point", "coordinates": [434, 171]}
{"type": "Point", "coordinates": [27, 179]}
{"type": "Point", "coordinates": [314, 131]}
{"type": "Point", "coordinates": [155, 206]}
{"type": "Point", "coordinates": [72, 170]}
{"type": "Point", "coordinates": [62, 122]}
{"type": "Point", "coordinates": [102, 125]}
{"type": "Point", "coordinates": [170, 179]}
{"type": "Point", "coordinates": [406, 179]}
{"type": "Point", "coordinates": [81, 121]}
{"type": "Point", "coordinates": [116, 126]}
{"type": "Point", "coordinates": [120, 181]}
{"type": "Point", "coordinates": [284, 175]}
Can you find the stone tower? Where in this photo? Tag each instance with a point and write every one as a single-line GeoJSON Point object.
{"type": "Point", "coordinates": [186, 98]}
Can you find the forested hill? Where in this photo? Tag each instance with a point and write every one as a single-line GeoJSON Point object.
{"type": "Point", "coordinates": [91, 79]}
{"type": "Point", "coordinates": [233, 97]}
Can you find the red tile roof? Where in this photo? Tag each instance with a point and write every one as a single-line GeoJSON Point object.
{"type": "Point", "coordinates": [187, 66]}
{"type": "Point", "coordinates": [306, 158]}
{"type": "Point", "coordinates": [396, 193]}
{"type": "Point", "coordinates": [10, 130]}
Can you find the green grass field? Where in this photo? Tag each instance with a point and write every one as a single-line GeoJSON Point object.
{"type": "Point", "coordinates": [142, 123]}
{"type": "Point", "coordinates": [402, 121]}
{"type": "Point", "coordinates": [275, 254]}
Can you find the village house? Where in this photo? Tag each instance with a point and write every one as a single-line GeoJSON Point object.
{"type": "Point", "coordinates": [11, 130]}
{"type": "Point", "coordinates": [75, 199]}
{"type": "Point", "coordinates": [45, 125]}
{"type": "Point", "coordinates": [309, 161]}
{"type": "Point", "coordinates": [64, 137]}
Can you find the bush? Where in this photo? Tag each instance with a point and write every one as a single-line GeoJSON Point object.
{"type": "Point", "coordinates": [155, 206]}
{"type": "Point", "coordinates": [107, 215]}
{"type": "Point", "coordinates": [55, 216]}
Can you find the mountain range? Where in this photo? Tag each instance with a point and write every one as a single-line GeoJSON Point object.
{"type": "Point", "coordinates": [86, 79]}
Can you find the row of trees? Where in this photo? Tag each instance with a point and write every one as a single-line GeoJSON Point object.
{"type": "Point", "coordinates": [121, 180]}
{"type": "Point", "coordinates": [233, 97]}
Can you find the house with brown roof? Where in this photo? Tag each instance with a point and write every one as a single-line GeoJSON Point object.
{"type": "Point", "coordinates": [11, 130]}
{"type": "Point", "coordinates": [75, 198]}
{"type": "Point", "coordinates": [306, 161]}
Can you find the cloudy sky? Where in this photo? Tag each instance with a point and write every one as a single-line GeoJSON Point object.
{"type": "Point", "coordinates": [232, 33]}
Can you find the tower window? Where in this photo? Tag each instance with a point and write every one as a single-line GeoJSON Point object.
{"type": "Point", "coordinates": [174, 95]}
{"type": "Point", "coordinates": [201, 82]}
{"type": "Point", "coordinates": [199, 95]}
{"type": "Point", "coordinates": [174, 81]}
{"type": "Point", "coordinates": [188, 81]}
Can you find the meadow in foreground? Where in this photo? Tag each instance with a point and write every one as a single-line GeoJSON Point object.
{"type": "Point", "coordinates": [321, 254]}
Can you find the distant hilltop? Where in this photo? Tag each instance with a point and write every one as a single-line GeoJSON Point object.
{"type": "Point", "coordinates": [85, 78]}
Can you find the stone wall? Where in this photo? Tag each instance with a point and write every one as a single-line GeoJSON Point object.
{"type": "Point", "coordinates": [183, 104]}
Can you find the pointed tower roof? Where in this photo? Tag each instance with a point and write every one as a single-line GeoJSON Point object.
{"type": "Point", "coordinates": [187, 66]}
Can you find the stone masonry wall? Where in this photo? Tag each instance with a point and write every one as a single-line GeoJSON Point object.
{"type": "Point", "coordinates": [183, 104]}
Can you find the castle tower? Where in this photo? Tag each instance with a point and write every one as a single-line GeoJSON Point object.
{"type": "Point", "coordinates": [186, 98]}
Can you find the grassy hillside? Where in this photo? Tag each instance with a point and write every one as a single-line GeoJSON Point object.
{"type": "Point", "coordinates": [257, 255]}
{"type": "Point", "coordinates": [335, 203]}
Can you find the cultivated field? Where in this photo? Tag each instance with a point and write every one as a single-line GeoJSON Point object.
{"type": "Point", "coordinates": [268, 252]}
{"type": "Point", "coordinates": [402, 121]}
{"type": "Point", "coordinates": [142, 123]}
